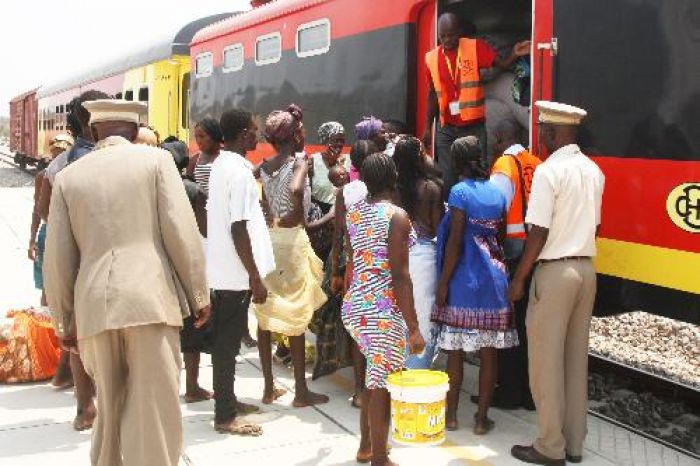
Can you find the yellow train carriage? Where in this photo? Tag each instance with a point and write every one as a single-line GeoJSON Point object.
{"type": "Point", "coordinates": [157, 76]}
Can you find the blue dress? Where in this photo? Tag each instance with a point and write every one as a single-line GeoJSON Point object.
{"type": "Point", "coordinates": [478, 313]}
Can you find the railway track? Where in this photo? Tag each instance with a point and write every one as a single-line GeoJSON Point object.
{"type": "Point", "coordinates": [646, 403]}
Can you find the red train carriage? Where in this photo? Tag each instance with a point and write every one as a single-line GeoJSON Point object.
{"type": "Point", "coordinates": [633, 65]}
{"type": "Point", "coordinates": [23, 129]}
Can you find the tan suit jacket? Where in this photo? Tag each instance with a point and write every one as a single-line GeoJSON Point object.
{"type": "Point", "coordinates": [123, 248]}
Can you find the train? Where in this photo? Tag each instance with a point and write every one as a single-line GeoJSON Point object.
{"type": "Point", "coordinates": [632, 64]}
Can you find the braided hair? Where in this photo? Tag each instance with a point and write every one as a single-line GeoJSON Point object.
{"type": "Point", "coordinates": [359, 152]}
{"type": "Point", "coordinates": [410, 170]}
{"type": "Point", "coordinates": [378, 173]}
{"type": "Point", "coordinates": [468, 159]}
{"type": "Point", "coordinates": [211, 127]}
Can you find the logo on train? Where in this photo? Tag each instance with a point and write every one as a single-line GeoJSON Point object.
{"type": "Point", "coordinates": [683, 206]}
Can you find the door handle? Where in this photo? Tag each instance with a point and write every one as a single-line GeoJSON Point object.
{"type": "Point", "coordinates": [552, 46]}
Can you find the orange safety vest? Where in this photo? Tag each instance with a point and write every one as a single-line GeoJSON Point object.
{"type": "Point", "coordinates": [471, 92]}
{"type": "Point", "coordinates": [520, 168]}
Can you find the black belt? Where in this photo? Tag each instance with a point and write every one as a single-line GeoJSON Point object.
{"type": "Point", "coordinates": [569, 258]}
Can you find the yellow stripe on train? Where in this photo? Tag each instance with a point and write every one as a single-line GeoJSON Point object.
{"type": "Point", "coordinates": [669, 268]}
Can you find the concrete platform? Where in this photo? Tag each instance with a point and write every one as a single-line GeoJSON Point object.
{"type": "Point", "coordinates": [35, 421]}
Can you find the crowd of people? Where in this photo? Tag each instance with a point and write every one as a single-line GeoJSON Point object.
{"type": "Point", "coordinates": [389, 258]}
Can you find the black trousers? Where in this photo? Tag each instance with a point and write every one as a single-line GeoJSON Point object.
{"type": "Point", "coordinates": [230, 322]}
{"type": "Point", "coordinates": [513, 373]}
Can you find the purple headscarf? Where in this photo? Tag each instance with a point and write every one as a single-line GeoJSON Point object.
{"type": "Point", "coordinates": [368, 128]}
{"type": "Point", "coordinates": [280, 125]}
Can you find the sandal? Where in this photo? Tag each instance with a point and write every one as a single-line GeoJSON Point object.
{"type": "Point", "coordinates": [244, 429]}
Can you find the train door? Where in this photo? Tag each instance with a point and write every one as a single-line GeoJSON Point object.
{"type": "Point", "coordinates": [501, 24]}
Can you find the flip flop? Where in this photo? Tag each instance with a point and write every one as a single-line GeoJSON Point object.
{"type": "Point", "coordinates": [244, 430]}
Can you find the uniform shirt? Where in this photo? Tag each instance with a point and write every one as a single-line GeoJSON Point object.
{"type": "Point", "coordinates": [485, 56]}
{"type": "Point", "coordinates": [233, 197]}
{"type": "Point", "coordinates": [566, 198]}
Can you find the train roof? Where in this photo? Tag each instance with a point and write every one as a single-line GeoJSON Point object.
{"type": "Point", "coordinates": [261, 14]}
{"type": "Point", "coordinates": [177, 43]}
{"type": "Point", "coordinates": [24, 95]}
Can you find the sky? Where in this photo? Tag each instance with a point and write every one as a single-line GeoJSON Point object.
{"type": "Point", "coordinates": [44, 41]}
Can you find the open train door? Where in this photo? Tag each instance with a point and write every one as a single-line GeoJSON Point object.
{"type": "Point", "coordinates": [544, 50]}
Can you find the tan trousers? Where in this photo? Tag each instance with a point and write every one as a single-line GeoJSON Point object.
{"type": "Point", "coordinates": [558, 320]}
{"type": "Point", "coordinates": [137, 374]}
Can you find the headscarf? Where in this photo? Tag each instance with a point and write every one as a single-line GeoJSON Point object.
{"type": "Point", "coordinates": [368, 128]}
{"type": "Point", "coordinates": [280, 125]}
{"type": "Point", "coordinates": [328, 130]}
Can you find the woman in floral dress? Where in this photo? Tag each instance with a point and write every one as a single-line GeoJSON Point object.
{"type": "Point", "coordinates": [378, 309]}
{"type": "Point", "coordinates": [471, 304]}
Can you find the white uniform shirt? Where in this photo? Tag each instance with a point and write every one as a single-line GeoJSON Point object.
{"type": "Point", "coordinates": [234, 197]}
{"type": "Point", "coordinates": [566, 197]}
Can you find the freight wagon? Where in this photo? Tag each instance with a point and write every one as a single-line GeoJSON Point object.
{"type": "Point", "coordinates": [23, 130]}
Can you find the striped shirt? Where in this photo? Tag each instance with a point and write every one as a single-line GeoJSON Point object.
{"type": "Point", "coordinates": [201, 176]}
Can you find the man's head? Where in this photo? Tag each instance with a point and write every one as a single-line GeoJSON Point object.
{"type": "Point", "coordinates": [449, 31]}
{"type": "Point", "coordinates": [79, 117]}
{"type": "Point", "coordinates": [239, 130]}
{"type": "Point", "coordinates": [558, 124]}
{"type": "Point", "coordinates": [508, 132]}
{"type": "Point", "coordinates": [114, 118]}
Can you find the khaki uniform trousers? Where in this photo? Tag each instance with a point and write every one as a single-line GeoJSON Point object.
{"type": "Point", "coordinates": [562, 295]}
{"type": "Point", "coordinates": [137, 375]}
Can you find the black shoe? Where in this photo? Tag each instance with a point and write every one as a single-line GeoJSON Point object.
{"type": "Point", "coordinates": [528, 454]}
{"type": "Point", "coordinates": [574, 458]}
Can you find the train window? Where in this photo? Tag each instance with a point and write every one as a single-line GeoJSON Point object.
{"type": "Point", "coordinates": [129, 95]}
{"type": "Point", "coordinates": [185, 99]}
{"type": "Point", "coordinates": [143, 94]}
{"type": "Point", "coordinates": [204, 65]}
{"type": "Point", "coordinates": [234, 58]}
{"type": "Point", "coordinates": [314, 38]}
{"type": "Point", "coordinates": [57, 108]}
{"type": "Point", "coordinates": [268, 49]}
{"type": "Point", "coordinates": [118, 95]}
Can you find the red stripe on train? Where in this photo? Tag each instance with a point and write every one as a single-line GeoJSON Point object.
{"type": "Point", "coordinates": [634, 203]}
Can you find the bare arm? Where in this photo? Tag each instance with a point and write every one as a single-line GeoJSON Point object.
{"type": "Point", "coordinates": [433, 110]}
{"type": "Point", "coordinates": [536, 239]}
{"type": "Point", "coordinates": [36, 218]}
{"type": "Point", "coordinates": [436, 206]}
{"type": "Point", "coordinates": [453, 253]}
{"type": "Point", "coordinates": [244, 249]}
{"type": "Point", "coordinates": [520, 49]}
{"type": "Point", "coordinates": [45, 199]}
{"type": "Point", "coordinates": [403, 286]}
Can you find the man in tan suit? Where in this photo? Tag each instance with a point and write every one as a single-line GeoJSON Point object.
{"type": "Point", "coordinates": [564, 216]}
{"type": "Point", "coordinates": [124, 264]}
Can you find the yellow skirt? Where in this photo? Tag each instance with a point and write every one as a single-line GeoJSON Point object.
{"type": "Point", "coordinates": [295, 285]}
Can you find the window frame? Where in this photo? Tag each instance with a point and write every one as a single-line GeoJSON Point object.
{"type": "Point", "coordinates": [310, 25]}
{"type": "Point", "coordinates": [197, 74]}
{"type": "Point", "coordinates": [238, 45]}
{"type": "Point", "coordinates": [269, 61]}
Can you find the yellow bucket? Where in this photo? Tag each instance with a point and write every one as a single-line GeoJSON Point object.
{"type": "Point", "coordinates": [418, 407]}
